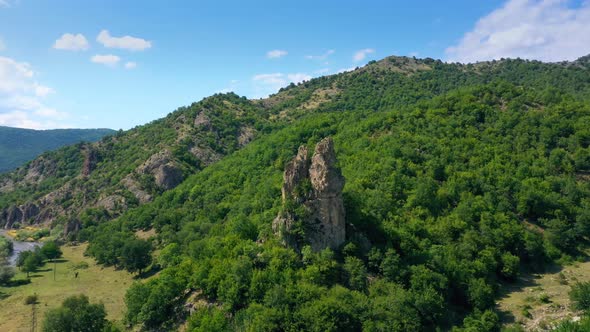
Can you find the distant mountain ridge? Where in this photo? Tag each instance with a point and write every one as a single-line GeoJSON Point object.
{"type": "Point", "coordinates": [18, 145]}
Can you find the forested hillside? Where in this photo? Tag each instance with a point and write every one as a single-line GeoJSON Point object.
{"type": "Point", "coordinates": [18, 146]}
{"type": "Point", "coordinates": [457, 178]}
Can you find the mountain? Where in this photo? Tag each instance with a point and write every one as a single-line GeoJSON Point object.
{"type": "Point", "coordinates": [18, 146]}
{"type": "Point", "coordinates": [430, 186]}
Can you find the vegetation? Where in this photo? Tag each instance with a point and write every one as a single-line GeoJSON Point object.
{"type": "Point", "coordinates": [443, 190]}
{"type": "Point", "coordinates": [76, 314]}
{"type": "Point", "coordinates": [458, 179]}
{"type": "Point", "coordinates": [580, 296]}
{"type": "Point", "coordinates": [18, 146]}
{"type": "Point", "coordinates": [101, 284]}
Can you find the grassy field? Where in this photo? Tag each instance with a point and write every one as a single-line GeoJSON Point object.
{"type": "Point", "coordinates": [538, 301]}
{"type": "Point", "coordinates": [105, 285]}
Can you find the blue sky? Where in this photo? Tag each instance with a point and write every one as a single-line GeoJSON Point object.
{"type": "Point", "coordinates": [118, 64]}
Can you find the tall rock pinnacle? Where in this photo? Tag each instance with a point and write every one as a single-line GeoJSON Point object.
{"type": "Point", "coordinates": [313, 210]}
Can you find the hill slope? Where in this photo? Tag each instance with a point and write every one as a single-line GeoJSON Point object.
{"type": "Point", "coordinates": [18, 145]}
{"type": "Point", "coordinates": [445, 200]}
{"type": "Point", "coordinates": [456, 178]}
{"type": "Point", "coordinates": [133, 167]}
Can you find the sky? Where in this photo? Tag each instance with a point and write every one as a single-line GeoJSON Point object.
{"type": "Point", "coordinates": [119, 64]}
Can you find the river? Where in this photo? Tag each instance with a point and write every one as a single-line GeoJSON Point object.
{"type": "Point", "coordinates": [19, 246]}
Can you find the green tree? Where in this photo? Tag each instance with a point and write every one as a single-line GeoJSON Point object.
{"type": "Point", "coordinates": [6, 273]}
{"type": "Point", "coordinates": [30, 264]}
{"type": "Point", "coordinates": [136, 255]}
{"type": "Point", "coordinates": [51, 250]}
{"type": "Point", "coordinates": [355, 273]}
{"type": "Point", "coordinates": [76, 314]}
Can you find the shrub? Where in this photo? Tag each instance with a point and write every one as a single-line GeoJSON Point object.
{"type": "Point", "coordinates": [580, 296]}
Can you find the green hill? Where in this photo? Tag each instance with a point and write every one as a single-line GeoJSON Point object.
{"type": "Point", "coordinates": [18, 146]}
{"type": "Point", "coordinates": [457, 178]}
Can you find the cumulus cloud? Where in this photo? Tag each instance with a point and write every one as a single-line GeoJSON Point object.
{"type": "Point", "coordinates": [360, 55]}
{"type": "Point", "coordinates": [125, 42]}
{"type": "Point", "coordinates": [266, 84]}
{"type": "Point", "coordinates": [22, 101]}
{"type": "Point", "coordinates": [106, 59]}
{"type": "Point", "coordinates": [321, 56]}
{"type": "Point", "coordinates": [275, 54]}
{"type": "Point", "coordinates": [130, 65]}
{"type": "Point", "coordinates": [298, 77]}
{"type": "Point", "coordinates": [547, 30]}
{"type": "Point", "coordinates": [71, 42]}
{"type": "Point", "coordinates": [271, 79]}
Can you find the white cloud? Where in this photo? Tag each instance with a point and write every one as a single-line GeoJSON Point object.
{"type": "Point", "coordinates": [130, 65]}
{"type": "Point", "coordinates": [107, 59]}
{"type": "Point", "coordinates": [298, 77]}
{"type": "Point", "coordinates": [2, 46]}
{"type": "Point", "coordinates": [275, 54]}
{"type": "Point", "coordinates": [271, 79]}
{"type": "Point", "coordinates": [125, 42]}
{"type": "Point", "coordinates": [362, 54]}
{"type": "Point", "coordinates": [548, 30]}
{"type": "Point", "coordinates": [266, 84]}
{"type": "Point", "coordinates": [21, 98]}
{"type": "Point", "coordinates": [71, 42]}
{"type": "Point", "coordinates": [321, 56]}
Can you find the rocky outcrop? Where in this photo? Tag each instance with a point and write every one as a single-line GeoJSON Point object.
{"type": "Point", "coordinates": [18, 214]}
{"type": "Point", "coordinates": [313, 209]}
{"type": "Point", "coordinates": [90, 161]}
{"type": "Point", "coordinates": [246, 135]}
{"type": "Point", "coordinates": [168, 176]}
{"type": "Point", "coordinates": [71, 227]}
{"type": "Point", "coordinates": [39, 169]}
{"type": "Point", "coordinates": [202, 120]}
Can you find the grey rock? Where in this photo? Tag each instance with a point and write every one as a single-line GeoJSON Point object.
{"type": "Point", "coordinates": [317, 187]}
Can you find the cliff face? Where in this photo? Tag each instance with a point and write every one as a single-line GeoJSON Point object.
{"type": "Point", "coordinates": [313, 210]}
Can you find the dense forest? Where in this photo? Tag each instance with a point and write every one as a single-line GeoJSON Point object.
{"type": "Point", "coordinates": [457, 179]}
{"type": "Point", "coordinates": [18, 146]}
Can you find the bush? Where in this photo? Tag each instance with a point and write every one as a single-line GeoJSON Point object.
{"type": "Point", "coordinates": [6, 273]}
{"type": "Point", "coordinates": [580, 296]}
{"type": "Point", "coordinates": [31, 299]}
{"type": "Point", "coordinates": [76, 314]}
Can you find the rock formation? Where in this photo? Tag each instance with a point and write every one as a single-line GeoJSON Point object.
{"type": "Point", "coordinates": [90, 161]}
{"type": "Point", "coordinates": [313, 210]}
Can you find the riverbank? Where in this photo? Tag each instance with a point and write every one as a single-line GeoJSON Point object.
{"type": "Point", "coordinates": [18, 246]}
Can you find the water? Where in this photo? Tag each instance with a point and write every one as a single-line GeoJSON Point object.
{"type": "Point", "coordinates": [19, 246]}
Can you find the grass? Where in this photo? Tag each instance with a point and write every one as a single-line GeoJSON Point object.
{"type": "Point", "coordinates": [537, 300]}
{"type": "Point", "coordinates": [100, 284]}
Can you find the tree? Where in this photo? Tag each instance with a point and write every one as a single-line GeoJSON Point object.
{"type": "Point", "coordinates": [6, 273]}
{"type": "Point", "coordinates": [22, 256]}
{"type": "Point", "coordinates": [29, 265]}
{"type": "Point", "coordinates": [76, 314]}
{"type": "Point", "coordinates": [51, 250]}
{"type": "Point", "coordinates": [356, 273]}
{"type": "Point", "coordinates": [136, 255]}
